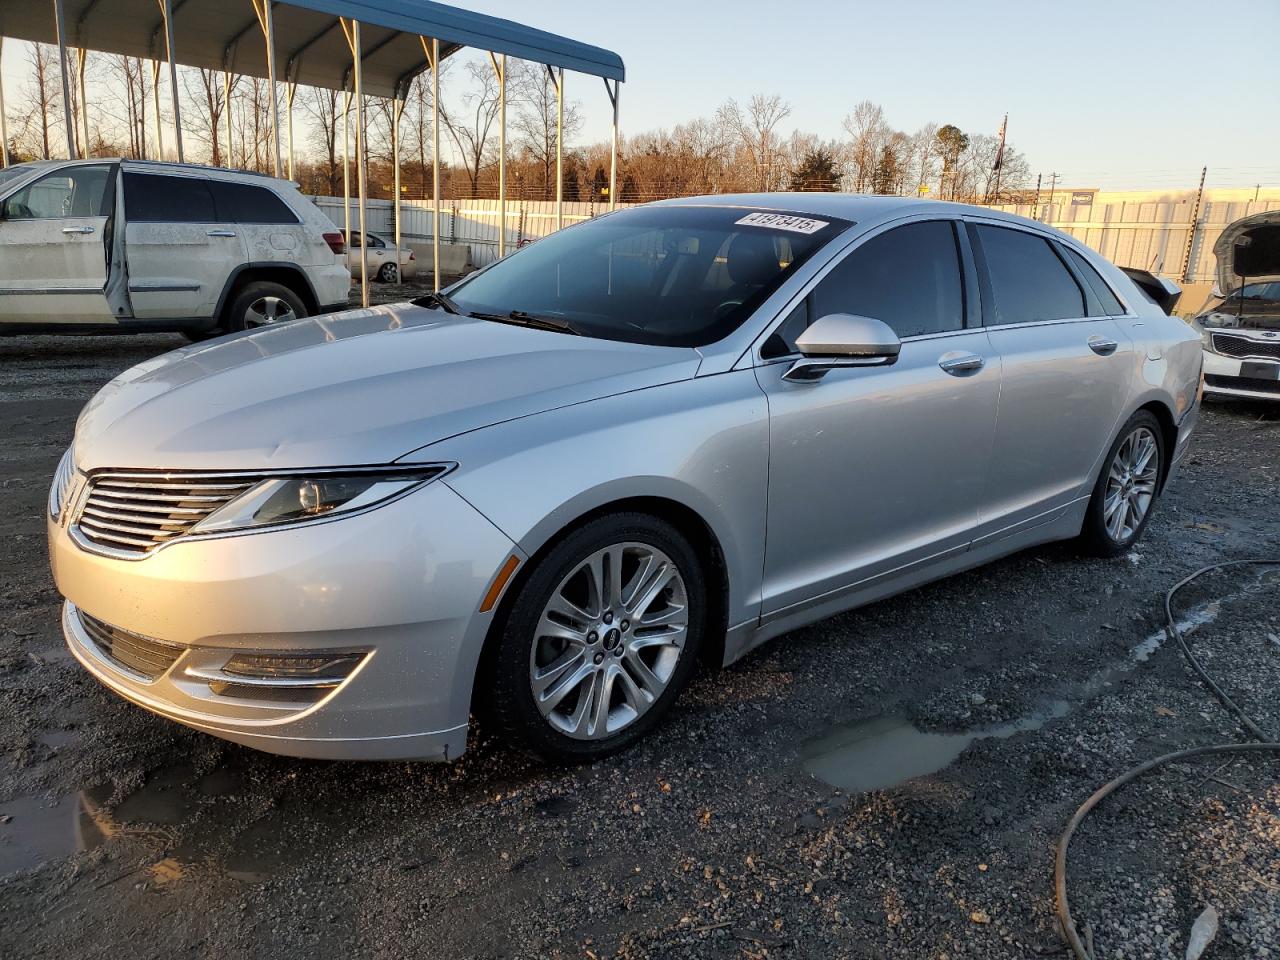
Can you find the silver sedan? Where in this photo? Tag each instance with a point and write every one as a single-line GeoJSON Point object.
{"type": "Point", "coordinates": [654, 439]}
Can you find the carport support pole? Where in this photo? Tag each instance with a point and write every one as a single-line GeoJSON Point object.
{"type": "Point", "coordinates": [166, 8]}
{"type": "Point", "coordinates": [4, 120]}
{"type": "Point", "coordinates": [500, 68]}
{"type": "Point", "coordinates": [226, 106]}
{"type": "Point", "coordinates": [352, 30]}
{"type": "Point", "coordinates": [397, 110]}
{"type": "Point", "coordinates": [155, 100]}
{"type": "Point", "coordinates": [60, 22]}
{"type": "Point", "coordinates": [614, 91]}
{"type": "Point", "coordinates": [263, 9]}
{"type": "Point", "coordinates": [346, 164]}
{"type": "Point", "coordinates": [435, 161]}
{"type": "Point", "coordinates": [290, 90]}
{"type": "Point", "coordinates": [82, 60]}
{"type": "Point", "coordinates": [559, 148]}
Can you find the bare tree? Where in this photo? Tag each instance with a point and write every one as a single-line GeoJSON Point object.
{"type": "Point", "coordinates": [205, 110]}
{"type": "Point", "coordinates": [868, 132]}
{"type": "Point", "coordinates": [924, 155]}
{"type": "Point", "coordinates": [470, 124]}
{"type": "Point", "coordinates": [535, 118]}
{"type": "Point", "coordinates": [324, 109]}
{"type": "Point", "coordinates": [41, 100]}
{"type": "Point", "coordinates": [755, 129]}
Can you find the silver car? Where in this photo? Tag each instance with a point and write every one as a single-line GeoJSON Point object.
{"type": "Point", "coordinates": [658, 438]}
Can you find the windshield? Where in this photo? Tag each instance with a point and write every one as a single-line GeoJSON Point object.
{"type": "Point", "coordinates": [668, 275]}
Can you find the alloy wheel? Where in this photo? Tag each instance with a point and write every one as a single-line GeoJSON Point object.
{"type": "Point", "coordinates": [1131, 484]}
{"type": "Point", "coordinates": [608, 640]}
{"type": "Point", "coordinates": [268, 310]}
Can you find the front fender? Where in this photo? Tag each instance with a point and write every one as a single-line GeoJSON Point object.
{"type": "Point", "coordinates": [702, 443]}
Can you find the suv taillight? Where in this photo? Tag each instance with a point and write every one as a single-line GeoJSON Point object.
{"type": "Point", "coordinates": [336, 243]}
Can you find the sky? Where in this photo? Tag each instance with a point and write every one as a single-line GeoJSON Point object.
{"type": "Point", "coordinates": [1124, 94]}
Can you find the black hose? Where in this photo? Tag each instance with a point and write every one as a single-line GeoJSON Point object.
{"type": "Point", "coordinates": [1267, 745]}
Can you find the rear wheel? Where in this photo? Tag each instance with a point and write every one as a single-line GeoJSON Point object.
{"type": "Point", "coordinates": [1127, 488]}
{"type": "Point", "coordinates": [263, 303]}
{"type": "Point", "coordinates": [601, 638]}
{"type": "Point", "coordinates": [389, 273]}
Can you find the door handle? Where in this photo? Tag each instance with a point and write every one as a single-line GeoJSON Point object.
{"type": "Point", "coordinates": [958, 363]}
{"type": "Point", "coordinates": [221, 233]}
{"type": "Point", "coordinates": [1102, 346]}
{"type": "Point", "coordinates": [77, 229]}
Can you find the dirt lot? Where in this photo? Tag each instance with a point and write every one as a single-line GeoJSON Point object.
{"type": "Point", "coordinates": [889, 783]}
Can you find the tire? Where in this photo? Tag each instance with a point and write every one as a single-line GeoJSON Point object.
{"type": "Point", "coordinates": [388, 273]}
{"type": "Point", "coordinates": [641, 668]}
{"type": "Point", "coordinates": [1111, 534]}
{"type": "Point", "coordinates": [263, 303]}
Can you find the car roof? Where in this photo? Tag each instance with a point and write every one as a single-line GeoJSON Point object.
{"type": "Point", "coordinates": [857, 207]}
{"type": "Point", "coordinates": [160, 166]}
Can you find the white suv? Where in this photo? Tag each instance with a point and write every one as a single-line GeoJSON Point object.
{"type": "Point", "coordinates": [127, 245]}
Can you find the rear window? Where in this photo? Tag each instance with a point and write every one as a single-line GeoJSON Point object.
{"type": "Point", "coordinates": [1028, 280]}
{"type": "Point", "coordinates": [1109, 302]}
{"type": "Point", "coordinates": [245, 203]}
{"type": "Point", "coordinates": [152, 198]}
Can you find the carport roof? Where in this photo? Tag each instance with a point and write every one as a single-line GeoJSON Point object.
{"type": "Point", "coordinates": [310, 46]}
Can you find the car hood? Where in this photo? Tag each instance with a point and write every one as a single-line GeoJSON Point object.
{"type": "Point", "coordinates": [363, 387]}
{"type": "Point", "coordinates": [1248, 248]}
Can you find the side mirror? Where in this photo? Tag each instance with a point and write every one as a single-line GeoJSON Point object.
{"type": "Point", "coordinates": [843, 340]}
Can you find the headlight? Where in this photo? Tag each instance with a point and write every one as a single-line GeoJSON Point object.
{"type": "Point", "coordinates": [62, 480]}
{"type": "Point", "coordinates": [296, 499]}
{"type": "Point", "coordinates": [1216, 319]}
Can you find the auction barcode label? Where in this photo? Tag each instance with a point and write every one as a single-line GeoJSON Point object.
{"type": "Point", "coordinates": [782, 221]}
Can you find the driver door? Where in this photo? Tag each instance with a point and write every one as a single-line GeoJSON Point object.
{"type": "Point", "coordinates": [876, 472]}
{"type": "Point", "coordinates": [54, 242]}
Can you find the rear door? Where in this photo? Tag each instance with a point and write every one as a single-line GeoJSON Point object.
{"type": "Point", "coordinates": [179, 254]}
{"type": "Point", "coordinates": [54, 248]}
{"type": "Point", "coordinates": [272, 232]}
{"type": "Point", "coordinates": [1067, 368]}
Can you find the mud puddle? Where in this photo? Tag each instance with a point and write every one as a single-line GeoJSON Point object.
{"type": "Point", "coordinates": [887, 751]}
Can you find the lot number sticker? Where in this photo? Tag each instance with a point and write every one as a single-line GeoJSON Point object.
{"type": "Point", "coordinates": [782, 221]}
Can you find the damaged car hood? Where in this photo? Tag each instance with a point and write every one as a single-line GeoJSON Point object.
{"type": "Point", "coordinates": [363, 387]}
{"type": "Point", "coordinates": [1248, 248]}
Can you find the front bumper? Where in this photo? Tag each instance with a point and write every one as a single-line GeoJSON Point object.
{"type": "Point", "coordinates": [1223, 377]}
{"type": "Point", "coordinates": [401, 584]}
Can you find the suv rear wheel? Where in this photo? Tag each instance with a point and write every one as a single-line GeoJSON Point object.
{"type": "Point", "coordinates": [263, 303]}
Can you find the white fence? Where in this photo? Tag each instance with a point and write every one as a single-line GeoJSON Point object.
{"type": "Point", "coordinates": [1142, 233]}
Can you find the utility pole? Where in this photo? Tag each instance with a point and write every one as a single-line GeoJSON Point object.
{"type": "Point", "coordinates": [1035, 207]}
{"type": "Point", "coordinates": [1195, 223]}
{"type": "Point", "coordinates": [1053, 182]}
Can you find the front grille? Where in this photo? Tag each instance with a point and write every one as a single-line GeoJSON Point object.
{"type": "Point", "coordinates": [1242, 383]}
{"type": "Point", "coordinates": [1230, 345]}
{"type": "Point", "coordinates": [136, 512]}
{"type": "Point", "coordinates": [137, 654]}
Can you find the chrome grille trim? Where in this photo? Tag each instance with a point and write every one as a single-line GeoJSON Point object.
{"type": "Point", "coordinates": [143, 657]}
{"type": "Point", "coordinates": [1233, 345]}
{"type": "Point", "coordinates": [133, 513]}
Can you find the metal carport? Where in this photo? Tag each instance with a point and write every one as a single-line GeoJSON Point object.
{"type": "Point", "coordinates": [359, 47]}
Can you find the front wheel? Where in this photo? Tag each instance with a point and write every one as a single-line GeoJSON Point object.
{"type": "Point", "coordinates": [1127, 488]}
{"type": "Point", "coordinates": [600, 639]}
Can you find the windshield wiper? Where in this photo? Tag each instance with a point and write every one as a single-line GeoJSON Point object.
{"type": "Point", "coordinates": [523, 319]}
{"type": "Point", "coordinates": [437, 299]}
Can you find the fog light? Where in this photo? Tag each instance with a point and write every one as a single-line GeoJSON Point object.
{"type": "Point", "coordinates": [316, 668]}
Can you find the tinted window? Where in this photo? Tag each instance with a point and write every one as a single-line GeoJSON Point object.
{"type": "Point", "coordinates": [244, 203]}
{"type": "Point", "coordinates": [669, 275]}
{"type": "Point", "coordinates": [1111, 305]}
{"type": "Point", "coordinates": [1028, 281]}
{"type": "Point", "coordinates": [149, 198]}
{"type": "Point", "coordinates": [74, 192]}
{"type": "Point", "coordinates": [908, 277]}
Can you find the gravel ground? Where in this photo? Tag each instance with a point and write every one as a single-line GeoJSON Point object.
{"type": "Point", "coordinates": [888, 783]}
